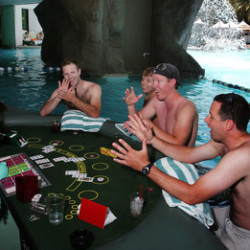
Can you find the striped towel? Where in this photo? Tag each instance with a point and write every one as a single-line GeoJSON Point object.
{"type": "Point", "coordinates": [188, 173]}
{"type": "Point", "coordinates": [77, 120]}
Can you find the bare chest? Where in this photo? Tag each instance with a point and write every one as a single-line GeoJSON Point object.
{"type": "Point", "coordinates": [83, 94]}
{"type": "Point", "coordinates": [167, 118]}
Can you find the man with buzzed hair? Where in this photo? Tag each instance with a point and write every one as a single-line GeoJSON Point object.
{"type": "Point", "coordinates": [75, 92]}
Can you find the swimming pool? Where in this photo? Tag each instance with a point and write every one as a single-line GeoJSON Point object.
{"type": "Point", "coordinates": [29, 90]}
{"type": "Point", "coordinates": [230, 66]}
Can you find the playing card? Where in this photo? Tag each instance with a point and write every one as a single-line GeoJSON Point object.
{"type": "Point", "coordinates": [48, 149]}
{"type": "Point", "coordinates": [45, 160]}
{"type": "Point", "coordinates": [67, 159]}
{"type": "Point", "coordinates": [36, 157]}
{"type": "Point", "coordinates": [79, 175]}
{"type": "Point", "coordinates": [71, 172]}
{"type": "Point", "coordinates": [81, 159]}
{"type": "Point", "coordinates": [62, 158]}
{"type": "Point", "coordinates": [86, 179]}
{"type": "Point", "coordinates": [46, 165]}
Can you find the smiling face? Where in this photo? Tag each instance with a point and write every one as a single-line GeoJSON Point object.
{"type": "Point", "coordinates": [147, 84]}
{"type": "Point", "coordinates": [162, 86]}
{"type": "Point", "coordinates": [72, 73]}
{"type": "Point", "coordinates": [215, 123]}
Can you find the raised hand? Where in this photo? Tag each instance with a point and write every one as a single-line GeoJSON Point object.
{"type": "Point", "coordinates": [141, 128]}
{"type": "Point", "coordinates": [130, 157]}
{"type": "Point", "coordinates": [67, 94]}
{"type": "Point", "coordinates": [130, 97]}
{"type": "Point", "coordinates": [64, 85]}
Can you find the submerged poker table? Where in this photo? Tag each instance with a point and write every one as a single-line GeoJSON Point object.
{"type": "Point", "coordinates": [158, 226]}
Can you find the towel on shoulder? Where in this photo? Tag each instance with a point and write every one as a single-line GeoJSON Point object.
{"type": "Point", "coordinates": [77, 120]}
{"type": "Point", "coordinates": [188, 173]}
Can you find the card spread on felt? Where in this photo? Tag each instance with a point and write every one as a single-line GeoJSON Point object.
{"type": "Point", "coordinates": [95, 213]}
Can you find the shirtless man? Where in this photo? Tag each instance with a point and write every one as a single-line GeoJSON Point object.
{"type": "Point", "coordinates": [177, 116]}
{"type": "Point", "coordinates": [147, 84]}
{"type": "Point", "coordinates": [75, 93]}
{"type": "Point", "coordinates": [227, 119]}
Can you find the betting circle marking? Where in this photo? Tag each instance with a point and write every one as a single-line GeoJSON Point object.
{"type": "Point", "coordinates": [106, 166]}
{"type": "Point", "coordinates": [74, 206]}
{"type": "Point", "coordinates": [33, 140]}
{"type": "Point", "coordinates": [73, 212]}
{"type": "Point", "coordinates": [88, 191]}
{"type": "Point", "coordinates": [68, 217]}
{"type": "Point", "coordinates": [76, 148]}
{"type": "Point", "coordinates": [71, 202]}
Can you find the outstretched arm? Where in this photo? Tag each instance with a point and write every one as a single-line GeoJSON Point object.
{"type": "Point", "coordinates": [143, 130]}
{"type": "Point", "coordinates": [205, 187]}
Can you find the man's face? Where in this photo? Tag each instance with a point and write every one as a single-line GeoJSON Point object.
{"type": "Point", "coordinates": [162, 86]}
{"type": "Point", "coordinates": [215, 123]}
{"type": "Point", "coordinates": [147, 84]}
{"type": "Point", "coordinates": [71, 73]}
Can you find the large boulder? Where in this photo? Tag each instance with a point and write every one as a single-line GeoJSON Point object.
{"type": "Point", "coordinates": [117, 36]}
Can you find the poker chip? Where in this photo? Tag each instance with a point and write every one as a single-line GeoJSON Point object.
{"type": "Point", "coordinates": [100, 179]}
{"type": "Point", "coordinates": [150, 189]}
{"type": "Point", "coordinates": [36, 197]}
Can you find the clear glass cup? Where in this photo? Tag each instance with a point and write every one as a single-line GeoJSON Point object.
{"type": "Point", "coordinates": [55, 207]}
{"type": "Point", "coordinates": [136, 204]}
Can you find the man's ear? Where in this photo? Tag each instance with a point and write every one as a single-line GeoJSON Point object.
{"type": "Point", "coordinates": [173, 82]}
{"type": "Point", "coordinates": [229, 124]}
{"type": "Point", "coordinates": [79, 71]}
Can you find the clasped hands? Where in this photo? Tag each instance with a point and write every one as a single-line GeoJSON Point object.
{"type": "Point", "coordinates": [136, 159]}
{"type": "Point", "coordinates": [65, 91]}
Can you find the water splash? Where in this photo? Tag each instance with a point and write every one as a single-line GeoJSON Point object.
{"type": "Point", "coordinates": [216, 28]}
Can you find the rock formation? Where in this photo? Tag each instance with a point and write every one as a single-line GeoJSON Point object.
{"type": "Point", "coordinates": [118, 36]}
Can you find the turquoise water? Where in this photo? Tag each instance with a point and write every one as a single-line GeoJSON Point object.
{"type": "Point", "coordinates": [29, 90]}
{"type": "Point", "coordinates": [231, 66]}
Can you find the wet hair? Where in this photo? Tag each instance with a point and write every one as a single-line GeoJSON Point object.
{"type": "Point", "coordinates": [148, 71]}
{"type": "Point", "coordinates": [68, 62]}
{"type": "Point", "coordinates": [234, 107]}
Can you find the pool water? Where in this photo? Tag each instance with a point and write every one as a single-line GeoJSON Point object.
{"type": "Point", "coordinates": [29, 90]}
{"type": "Point", "coordinates": [230, 67]}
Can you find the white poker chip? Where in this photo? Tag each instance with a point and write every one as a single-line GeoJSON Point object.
{"type": "Point", "coordinates": [100, 179]}
{"type": "Point", "coordinates": [37, 196]}
{"type": "Point", "coordinates": [35, 200]}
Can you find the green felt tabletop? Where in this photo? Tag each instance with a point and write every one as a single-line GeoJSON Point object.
{"type": "Point", "coordinates": [119, 183]}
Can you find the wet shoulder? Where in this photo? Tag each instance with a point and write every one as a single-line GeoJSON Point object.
{"type": "Point", "coordinates": [87, 85]}
{"type": "Point", "coordinates": [186, 104]}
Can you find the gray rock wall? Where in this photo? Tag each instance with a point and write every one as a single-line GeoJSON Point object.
{"type": "Point", "coordinates": [118, 36]}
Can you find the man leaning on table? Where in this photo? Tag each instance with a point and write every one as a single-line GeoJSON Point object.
{"type": "Point", "coordinates": [227, 119]}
